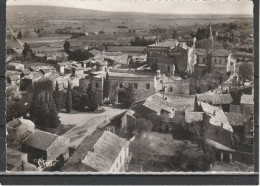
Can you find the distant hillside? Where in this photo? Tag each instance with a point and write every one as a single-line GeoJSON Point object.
{"type": "Point", "coordinates": [43, 10]}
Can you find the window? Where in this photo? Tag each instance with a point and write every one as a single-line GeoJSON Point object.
{"type": "Point", "coordinates": [135, 85]}
{"type": "Point", "coordinates": [168, 69]}
{"type": "Point", "coordinates": [120, 85]}
{"type": "Point", "coordinates": [97, 85]}
{"type": "Point", "coordinates": [204, 60]}
{"type": "Point", "coordinates": [171, 89]}
{"type": "Point", "coordinates": [215, 60]}
{"type": "Point", "coordinates": [148, 86]}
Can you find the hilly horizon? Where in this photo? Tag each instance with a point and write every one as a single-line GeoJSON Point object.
{"type": "Point", "coordinates": [36, 9]}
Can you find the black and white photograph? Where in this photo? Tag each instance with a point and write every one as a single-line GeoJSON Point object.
{"type": "Point", "coordinates": [129, 87]}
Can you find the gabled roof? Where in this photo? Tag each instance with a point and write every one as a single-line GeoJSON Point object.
{"type": "Point", "coordinates": [126, 48]}
{"type": "Point", "coordinates": [218, 145]}
{"type": "Point", "coordinates": [17, 122]}
{"type": "Point", "coordinates": [168, 43]}
{"type": "Point", "coordinates": [105, 151]}
{"type": "Point", "coordinates": [40, 140]}
{"type": "Point", "coordinates": [157, 103]}
{"type": "Point", "coordinates": [191, 117]}
{"type": "Point", "coordinates": [25, 71]}
{"type": "Point", "coordinates": [236, 119]}
{"type": "Point", "coordinates": [14, 77]}
{"type": "Point", "coordinates": [247, 99]}
{"type": "Point", "coordinates": [214, 98]}
{"type": "Point", "coordinates": [217, 116]}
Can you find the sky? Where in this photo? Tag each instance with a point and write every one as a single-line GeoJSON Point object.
{"type": "Point", "coordinates": [151, 6]}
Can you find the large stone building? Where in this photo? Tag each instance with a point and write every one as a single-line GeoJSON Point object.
{"type": "Point", "coordinates": [221, 60]}
{"type": "Point", "coordinates": [165, 55]}
{"type": "Point", "coordinates": [144, 84]}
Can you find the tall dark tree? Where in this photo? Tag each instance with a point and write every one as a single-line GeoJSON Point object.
{"type": "Point", "coordinates": [26, 49]}
{"type": "Point", "coordinates": [57, 97]}
{"type": "Point", "coordinates": [92, 102]}
{"type": "Point", "coordinates": [43, 111]}
{"type": "Point", "coordinates": [19, 35]}
{"type": "Point", "coordinates": [69, 99]}
{"type": "Point", "coordinates": [106, 87]}
{"type": "Point", "coordinates": [66, 46]}
{"type": "Point", "coordinates": [129, 99]}
{"type": "Point", "coordinates": [79, 98]}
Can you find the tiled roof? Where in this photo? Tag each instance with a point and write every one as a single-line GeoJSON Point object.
{"type": "Point", "coordinates": [94, 52]}
{"type": "Point", "coordinates": [105, 151]}
{"type": "Point", "coordinates": [25, 71]}
{"type": "Point", "coordinates": [168, 43]}
{"type": "Point", "coordinates": [191, 117]}
{"type": "Point", "coordinates": [180, 102]}
{"type": "Point", "coordinates": [17, 122]}
{"type": "Point", "coordinates": [126, 48]}
{"type": "Point", "coordinates": [129, 75]}
{"type": "Point", "coordinates": [157, 103]}
{"type": "Point", "coordinates": [247, 99]}
{"type": "Point", "coordinates": [217, 116]}
{"type": "Point", "coordinates": [236, 119]}
{"type": "Point", "coordinates": [40, 140]}
{"type": "Point", "coordinates": [218, 145]}
{"type": "Point", "coordinates": [215, 52]}
{"type": "Point", "coordinates": [34, 75]}
{"type": "Point", "coordinates": [215, 99]}
{"type": "Point", "coordinates": [14, 77]}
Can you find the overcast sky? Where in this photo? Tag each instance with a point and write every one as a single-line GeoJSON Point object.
{"type": "Point", "coordinates": [151, 6]}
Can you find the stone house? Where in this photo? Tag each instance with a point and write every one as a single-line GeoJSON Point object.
{"type": "Point", "coordinates": [60, 67]}
{"type": "Point", "coordinates": [18, 130]}
{"type": "Point", "coordinates": [163, 55]}
{"type": "Point", "coordinates": [14, 66]}
{"type": "Point", "coordinates": [220, 58]}
{"type": "Point", "coordinates": [14, 80]}
{"type": "Point", "coordinates": [41, 144]}
{"type": "Point", "coordinates": [219, 100]}
{"type": "Point", "coordinates": [110, 153]}
{"type": "Point", "coordinates": [247, 104]}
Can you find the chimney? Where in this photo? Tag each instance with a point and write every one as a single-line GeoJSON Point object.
{"type": "Point", "coordinates": [164, 97]}
{"type": "Point", "coordinates": [158, 74]}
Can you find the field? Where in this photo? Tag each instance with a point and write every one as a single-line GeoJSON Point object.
{"type": "Point", "coordinates": [113, 25]}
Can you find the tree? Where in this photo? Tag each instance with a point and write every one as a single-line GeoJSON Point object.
{"type": "Point", "coordinates": [26, 49]}
{"type": "Point", "coordinates": [106, 87]}
{"type": "Point", "coordinates": [142, 126]}
{"type": "Point", "coordinates": [53, 117]}
{"type": "Point", "coordinates": [79, 98]}
{"type": "Point", "coordinates": [129, 99]}
{"type": "Point", "coordinates": [19, 35]}
{"type": "Point", "coordinates": [57, 97]}
{"type": "Point", "coordinates": [66, 46]}
{"type": "Point", "coordinates": [247, 70]}
{"type": "Point", "coordinates": [68, 99]}
{"type": "Point", "coordinates": [92, 101]}
{"type": "Point", "coordinates": [174, 35]}
{"type": "Point", "coordinates": [43, 110]}
{"type": "Point", "coordinates": [79, 55]}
